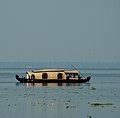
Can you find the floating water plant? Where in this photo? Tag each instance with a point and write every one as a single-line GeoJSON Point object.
{"type": "Point", "coordinates": [93, 88]}
{"type": "Point", "coordinates": [67, 107]}
{"type": "Point", "coordinates": [89, 116]}
{"type": "Point", "coordinates": [101, 104]}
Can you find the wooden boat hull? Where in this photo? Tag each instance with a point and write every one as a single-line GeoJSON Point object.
{"type": "Point", "coordinates": [25, 80]}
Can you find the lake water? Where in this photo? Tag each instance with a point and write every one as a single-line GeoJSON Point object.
{"type": "Point", "coordinates": [98, 99]}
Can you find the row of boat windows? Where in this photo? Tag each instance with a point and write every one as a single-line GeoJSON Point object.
{"type": "Point", "coordinates": [59, 76]}
{"type": "Point", "coordinates": [45, 76]}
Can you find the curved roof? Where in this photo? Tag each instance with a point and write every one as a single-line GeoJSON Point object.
{"type": "Point", "coordinates": [55, 70]}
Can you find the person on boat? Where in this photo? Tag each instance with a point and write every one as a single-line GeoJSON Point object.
{"type": "Point", "coordinates": [67, 77]}
{"type": "Point", "coordinates": [27, 76]}
{"type": "Point", "coordinates": [79, 76]}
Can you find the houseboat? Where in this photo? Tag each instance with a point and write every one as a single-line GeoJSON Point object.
{"type": "Point", "coordinates": [53, 76]}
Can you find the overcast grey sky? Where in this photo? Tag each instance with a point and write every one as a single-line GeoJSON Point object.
{"type": "Point", "coordinates": [60, 30]}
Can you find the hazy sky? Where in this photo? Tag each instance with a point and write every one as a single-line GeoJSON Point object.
{"type": "Point", "coordinates": [60, 30]}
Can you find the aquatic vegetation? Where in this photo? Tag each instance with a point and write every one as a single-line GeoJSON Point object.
{"type": "Point", "coordinates": [67, 107]}
{"type": "Point", "coordinates": [29, 94]}
{"type": "Point", "coordinates": [8, 104]}
{"type": "Point", "coordinates": [93, 88]}
{"type": "Point", "coordinates": [89, 116]}
{"type": "Point", "coordinates": [75, 92]}
{"type": "Point", "coordinates": [73, 106]}
{"type": "Point", "coordinates": [101, 104]}
{"type": "Point", "coordinates": [68, 100]}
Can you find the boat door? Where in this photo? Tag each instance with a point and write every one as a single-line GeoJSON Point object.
{"type": "Point", "coordinates": [60, 75]}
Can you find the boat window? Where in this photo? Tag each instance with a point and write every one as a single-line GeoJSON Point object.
{"type": "Point", "coordinates": [44, 76]}
{"type": "Point", "coordinates": [60, 75]}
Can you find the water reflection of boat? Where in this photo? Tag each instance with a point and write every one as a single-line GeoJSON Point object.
{"type": "Point", "coordinates": [53, 76]}
{"type": "Point", "coordinates": [50, 84]}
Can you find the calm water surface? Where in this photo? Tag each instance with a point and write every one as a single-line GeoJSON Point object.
{"type": "Point", "coordinates": [61, 100]}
